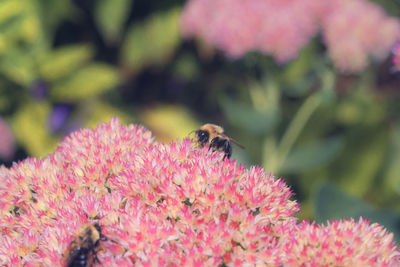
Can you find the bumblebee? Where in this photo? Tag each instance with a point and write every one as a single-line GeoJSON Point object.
{"type": "Point", "coordinates": [84, 248]}
{"type": "Point", "coordinates": [214, 136]}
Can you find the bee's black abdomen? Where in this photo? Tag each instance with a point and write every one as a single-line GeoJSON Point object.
{"type": "Point", "coordinates": [83, 249]}
{"type": "Point", "coordinates": [81, 258]}
{"type": "Point", "coordinates": [226, 148]}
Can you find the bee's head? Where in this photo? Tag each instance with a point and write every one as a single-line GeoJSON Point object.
{"type": "Point", "coordinates": [202, 136]}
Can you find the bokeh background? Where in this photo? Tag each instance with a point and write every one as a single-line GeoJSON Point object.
{"type": "Point", "coordinates": [311, 92]}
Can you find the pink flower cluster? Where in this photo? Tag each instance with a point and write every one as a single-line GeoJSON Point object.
{"type": "Point", "coordinates": [240, 26]}
{"type": "Point", "coordinates": [352, 30]}
{"type": "Point", "coordinates": [356, 30]}
{"type": "Point", "coordinates": [396, 57]}
{"type": "Point", "coordinates": [341, 243]}
{"type": "Point", "coordinates": [167, 205]}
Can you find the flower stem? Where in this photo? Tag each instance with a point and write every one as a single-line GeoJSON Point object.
{"type": "Point", "coordinates": [279, 153]}
{"type": "Point", "coordinates": [296, 126]}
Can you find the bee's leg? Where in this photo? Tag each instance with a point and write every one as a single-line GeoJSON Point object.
{"type": "Point", "coordinates": [96, 259]}
{"type": "Point", "coordinates": [227, 149]}
{"type": "Point", "coordinates": [115, 242]}
{"type": "Point", "coordinates": [93, 248]}
{"type": "Point", "coordinates": [214, 144]}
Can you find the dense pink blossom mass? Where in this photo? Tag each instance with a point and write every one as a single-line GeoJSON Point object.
{"type": "Point", "coordinates": [167, 205]}
{"type": "Point", "coordinates": [352, 30]}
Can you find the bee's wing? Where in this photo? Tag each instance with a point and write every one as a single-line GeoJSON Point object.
{"type": "Point", "coordinates": [237, 143]}
{"type": "Point", "coordinates": [234, 141]}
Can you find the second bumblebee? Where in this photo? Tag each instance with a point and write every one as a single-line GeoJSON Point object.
{"type": "Point", "coordinates": [83, 249]}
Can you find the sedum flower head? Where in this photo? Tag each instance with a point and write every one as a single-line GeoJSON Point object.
{"type": "Point", "coordinates": [371, 34]}
{"type": "Point", "coordinates": [282, 27]}
{"type": "Point", "coordinates": [275, 27]}
{"type": "Point", "coordinates": [341, 243]}
{"type": "Point", "coordinates": [162, 204]}
{"type": "Point", "coordinates": [166, 205]}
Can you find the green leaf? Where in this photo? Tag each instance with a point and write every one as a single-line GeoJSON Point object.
{"type": "Point", "coordinates": [31, 28]}
{"type": "Point", "coordinates": [52, 12]}
{"type": "Point", "coordinates": [391, 178]}
{"type": "Point", "coordinates": [362, 158]}
{"type": "Point", "coordinates": [152, 42]}
{"type": "Point", "coordinates": [296, 77]}
{"type": "Point", "coordinates": [9, 9]}
{"type": "Point", "coordinates": [360, 107]}
{"type": "Point", "coordinates": [160, 118]}
{"type": "Point", "coordinates": [311, 156]}
{"type": "Point", "coordinates": [31, 129]}
{"type": "Point", "coordinates": [95, 111]}
{"type": "Point", "coordinates": [87, 82]}
{"type": "Point", "coordinates": [110, 16]}
{"type": "Point", "coordinates": [186, 67]}
{"type": "Point", "coordinates": [20, 29]}
{"type": "Point", "coordinates": [63, 61]}
{"type": "Point", "coordinates": [332, 203]}
{"type": "Point", "coordinates": [17, 67]}
{"type": "Point", "coordinates": [254, 121]}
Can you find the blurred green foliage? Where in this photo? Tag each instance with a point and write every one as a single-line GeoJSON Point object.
{"type": "Point", "coordinates": [151, 42]}
{"type": "Point", "coordinates": [334, 138]}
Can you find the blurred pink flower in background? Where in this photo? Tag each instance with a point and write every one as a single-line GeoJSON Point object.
{"type": "Point", "coordinates": [396, 57]}
{"type": "Point", "coordinates": [352, 30]}
{"type": "Point", "coordinates": [286, 26]}
{"type": "Point", "coordinates": [277, 27]}
{"type": "Point", "coordinates": [7, 141]}
{"type": "Point", "coordinates": [173, 204]}
{"type": "Point", "coordinates": [356, 30]}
